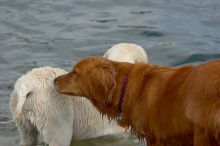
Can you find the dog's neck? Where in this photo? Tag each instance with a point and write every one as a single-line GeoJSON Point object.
{"type": "Point", "coordinates": [122, 93]}
{"type": "Point", "coordinates": [112, 108]}
{"type": "Point", "coordinates": [123, 70]}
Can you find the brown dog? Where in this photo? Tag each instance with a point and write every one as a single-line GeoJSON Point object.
{"type": "Point", "coordinates": [165, 105]}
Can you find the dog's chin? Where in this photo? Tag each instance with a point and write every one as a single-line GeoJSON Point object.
{"type": "Point", "coordinates": [66, 93]}
{"type": "Point", "coordinates": [106, 108]}
{"type": "Point", "coordinates": [70, 94]}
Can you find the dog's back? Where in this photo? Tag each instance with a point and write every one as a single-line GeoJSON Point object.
{"type": "Point", "coordinates": [127, 52]}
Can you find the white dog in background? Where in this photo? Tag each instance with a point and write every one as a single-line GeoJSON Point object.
{"type": "Point", "coordinates": [37, 107]}
{"type": "Point", "coordinates": [127, 52]}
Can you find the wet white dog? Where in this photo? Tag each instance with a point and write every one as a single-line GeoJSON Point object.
{"type": "Point", "coordinates": [37, 107]}
{"type": "Point", "coordinates": [127, 52]}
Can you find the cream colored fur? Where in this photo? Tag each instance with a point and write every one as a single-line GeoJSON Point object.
{"type": "Point", "coordinates": [60, 117]}
{"type": "Point", "coordinates": [127, 52]}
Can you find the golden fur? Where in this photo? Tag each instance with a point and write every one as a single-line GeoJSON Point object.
{"type": "Point", "coordinates": [167, 106]}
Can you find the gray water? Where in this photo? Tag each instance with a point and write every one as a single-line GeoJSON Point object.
{"type": "Point", "coordinates": [57, 33]}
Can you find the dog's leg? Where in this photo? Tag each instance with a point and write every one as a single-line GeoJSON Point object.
{"type": "Point", "coordinates": [217, 138]}
{"type": "Point", "coordinates": [203, 137]}
{"type": "Point", "coordinates": [158, 144]}
{"type": "Point", "coordinates": [58, 133]}
{"type": "Point", "coordinates": [28, 132]}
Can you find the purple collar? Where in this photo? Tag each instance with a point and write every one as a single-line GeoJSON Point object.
{"type": "Point", "coordinates": [122, 93]}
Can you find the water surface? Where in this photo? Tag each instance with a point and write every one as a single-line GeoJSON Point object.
{"type": "Point", "coordinates": [58, 33]}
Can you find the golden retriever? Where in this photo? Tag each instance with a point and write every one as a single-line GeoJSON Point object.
{"type": "Point", "coordinates": [167, 106]}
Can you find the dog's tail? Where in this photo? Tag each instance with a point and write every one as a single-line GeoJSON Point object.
{"type": "Point", "coordinates": [22, 90]}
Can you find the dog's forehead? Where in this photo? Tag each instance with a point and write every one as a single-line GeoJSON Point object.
{"type": "Point", "coordinates": [83, 63]}
{"type": "Point", "coordinates": [88, 62]}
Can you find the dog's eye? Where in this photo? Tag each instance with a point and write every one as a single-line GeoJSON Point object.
{"type": "Point", "coordinates": [74, 73]}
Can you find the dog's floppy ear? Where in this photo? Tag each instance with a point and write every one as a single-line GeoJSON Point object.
{"type": "Point", "coordinates": [103, 81]}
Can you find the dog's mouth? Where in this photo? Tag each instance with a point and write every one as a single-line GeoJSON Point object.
{"type": "Point", "coordinates": [57, 88]}
{"type": "Point", "coordinates": [71, 94]}
{"type": "Point", "coordinates": [66, 93]}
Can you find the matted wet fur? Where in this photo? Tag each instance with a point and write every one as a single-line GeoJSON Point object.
{"type": "Point", "coordinates": [167, 106]}
{"type": "Point", "coordinates": [37, 108]}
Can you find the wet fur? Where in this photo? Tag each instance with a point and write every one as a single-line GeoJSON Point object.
{"type": "Point", "coordinates": [167, 106]}
{"type": "Point", "coordinates": [59, 117]}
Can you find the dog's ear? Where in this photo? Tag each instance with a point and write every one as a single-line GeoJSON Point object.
{"type": "Point", "coordinates": [103, 82]}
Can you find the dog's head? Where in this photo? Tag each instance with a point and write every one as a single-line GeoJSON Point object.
{"type": "Point", "coordinates": [92, 77]}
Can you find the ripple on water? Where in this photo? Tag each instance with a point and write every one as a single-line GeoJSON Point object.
{"type": "Point", "coordinates": [58, 33]}
{"type": "Point", "coordinates": [195, 58]}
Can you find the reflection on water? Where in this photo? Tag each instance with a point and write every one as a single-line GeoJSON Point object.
{"type": "Point", "coordinates": [116, 140]}
{"type": "Point", "coordinates": [57, 33]}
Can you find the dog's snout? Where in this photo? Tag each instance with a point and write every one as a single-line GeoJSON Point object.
{"type": "Point", "coordinates": [55, 80]}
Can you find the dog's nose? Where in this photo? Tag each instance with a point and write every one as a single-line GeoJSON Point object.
{"type": "Point", "coordinates": [55, 80]}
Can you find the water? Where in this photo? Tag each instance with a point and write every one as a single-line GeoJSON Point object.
{"type": "Point", "coordinates": [57, 33]}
